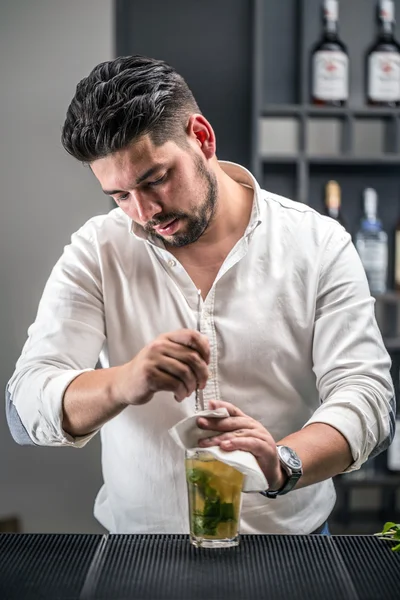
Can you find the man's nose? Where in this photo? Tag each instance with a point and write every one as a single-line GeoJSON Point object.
{"type": "Point", "coordinates": [145, 207]}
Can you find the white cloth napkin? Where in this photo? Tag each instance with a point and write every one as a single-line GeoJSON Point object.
{"type": "Point", "coordinates": [186, 434]}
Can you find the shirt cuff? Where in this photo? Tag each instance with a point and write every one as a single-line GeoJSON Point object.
{"type": "Point", "coordinates": [351, 422]}
{"type": "Point", "coordinates": [46, 423]}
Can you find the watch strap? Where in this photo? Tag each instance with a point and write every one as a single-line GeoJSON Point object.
{"type": "Point", "coordinates": [291, 480]}
{"type": "Point", "coordinates": [287, 486]}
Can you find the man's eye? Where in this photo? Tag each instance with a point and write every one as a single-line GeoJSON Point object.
{"type": "Point", "coordinates": [121, 198]}
{"type": "Point", "coordinates": [157, 181]}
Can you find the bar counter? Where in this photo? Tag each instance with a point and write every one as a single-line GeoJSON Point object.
{"type": "Point", "coordinates": [167, 567]}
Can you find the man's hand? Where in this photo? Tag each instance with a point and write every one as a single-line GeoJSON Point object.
{"type": "Point", "coordinates": [241, 432]}
{"type": "Point", "coordinates": [175, 362]}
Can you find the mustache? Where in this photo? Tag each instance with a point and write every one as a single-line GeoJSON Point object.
{"type": "Point", "coordinates": [164, 219]}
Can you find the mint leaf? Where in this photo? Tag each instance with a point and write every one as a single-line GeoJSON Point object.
{"type": "Point", "coordinates": [390, 531]}
{"type": "Point", "coordinates": [198, 476]}
{"type": "Point", "coordinates": [389, 525]}
{"type": "Point", "coordinates": [210, 493]}
{"type": "Point", "coordinates": [227, 512]}
{"type": "Point", "coordinates": [396, 548]}
{"type": "Point", "coordinates": [212, 507]}
{"type": "Point", "coordinates": [202, 525]}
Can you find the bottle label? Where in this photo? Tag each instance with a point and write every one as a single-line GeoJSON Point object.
{"type": "Point", "coordinates": [384, 76]}
{"type": "Point", "coordinates": [330, 75]}
{"type": "Point", "coordinates": [397, 259]}
{"type": "Point", "coordinates": [393, 455]}
{"type": "Point", "coordinates": [374, 257]}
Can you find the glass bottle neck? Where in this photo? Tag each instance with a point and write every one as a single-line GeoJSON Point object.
{"type": "Point", "coordinates": [331, 28]}
{"type": "Point", "coordinates": [386, 17]}
{"type": "Point", "coordinates": [333, 212]}
{"type": "Point", "coordinates": [386, 30]}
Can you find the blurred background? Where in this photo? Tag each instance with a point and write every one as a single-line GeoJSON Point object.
{"type": "Point", "coordinates": [305, 93]}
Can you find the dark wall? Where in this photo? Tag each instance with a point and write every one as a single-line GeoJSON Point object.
{"type": "Point", "coordinates": [209, 42]}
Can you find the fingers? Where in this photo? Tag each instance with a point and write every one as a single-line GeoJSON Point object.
{"type": "Point", "coordinates": [258, 447]}
{"type": "Point", "coordinates": [241, 432]}
{"type": "Point", "coordinates": [249, 441]}
{"type": "Point", "coordinates": [237, 419]}
{"type": "Point", "coordinates": [227, 423]}
{"type": "Point", "coordinates": [188, 359]}
{"type": "Point", "coordinates": [192, 339]}
{"type": "Point", "coordinates": [177, 362]}
{"type": "Point", "coordinates": [217, 440]}
{"type": "Point", "coordinates": [171, 383]}
{"type": "Point", "coordinates": [183, 378]}
{"type": "Point", "coordinates": [233, 410]}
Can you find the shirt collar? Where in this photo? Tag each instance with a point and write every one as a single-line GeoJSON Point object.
{"type": "Point", "coordinates": [239, 174]}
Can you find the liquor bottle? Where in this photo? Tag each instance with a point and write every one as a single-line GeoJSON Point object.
{"type": "Point", "coordinates": [397, 256]}
{"type": "Point", "coordinates": [383, 61]}
{"type": "Point", "coordinates": [371, 242]}
{"type": "Point", "coordinates": [393, 453]}
{"type": "Point", "coordinates": [333, 202]}
{"type": "Point", "coordinates": [330, 63]}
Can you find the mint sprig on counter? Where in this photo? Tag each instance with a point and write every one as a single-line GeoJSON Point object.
{"type": "Point", "coordinates": [391, 531]}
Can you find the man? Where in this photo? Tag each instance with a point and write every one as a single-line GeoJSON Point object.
{"type": "Point", "coordinates": [288, 342]}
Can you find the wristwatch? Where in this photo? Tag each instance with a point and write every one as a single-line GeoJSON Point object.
{"type": "Point", "coordinates": [291, 463]}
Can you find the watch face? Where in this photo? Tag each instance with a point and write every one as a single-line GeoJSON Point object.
{"type": "Point", "coordinates": [290, 457]}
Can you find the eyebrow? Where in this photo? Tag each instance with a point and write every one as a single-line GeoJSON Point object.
{"type": "Point", "coordinates": [139, 180]}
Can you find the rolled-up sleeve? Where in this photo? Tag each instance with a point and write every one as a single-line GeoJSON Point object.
{"type": "Point", "coordinates": [64, 341]}
{"type": "Point", "coordinates": [351, 363]}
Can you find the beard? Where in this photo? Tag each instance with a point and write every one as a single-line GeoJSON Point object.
{"type": "Point", "coordinates": [198, 220]}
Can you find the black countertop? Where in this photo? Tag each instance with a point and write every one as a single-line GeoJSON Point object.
{"type": "Point", "coordinates": [161, 567]}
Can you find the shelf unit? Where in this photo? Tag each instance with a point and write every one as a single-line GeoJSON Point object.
{"type": "Point", "coordinates": [298, 147]}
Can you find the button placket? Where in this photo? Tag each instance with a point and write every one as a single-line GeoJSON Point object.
{"type": "Point", "coordinates": [211, 391]}
{"type": "Point", "coordinates": [175, 271]}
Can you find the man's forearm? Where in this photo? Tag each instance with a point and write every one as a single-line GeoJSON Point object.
{"type": "Point", "coordinates": [323, 450]}
{"type": "Point", "coordinates": [89, 402]}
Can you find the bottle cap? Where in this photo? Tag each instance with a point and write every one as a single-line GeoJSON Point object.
{"type": "Point", "coordinates": [333, 195]}
{"type": "Point", "coordinates": [331, 10]}
{"type": "Point", "coordinates": [386, 11]}
{"type": "Point", "coordinates": [370, 202]}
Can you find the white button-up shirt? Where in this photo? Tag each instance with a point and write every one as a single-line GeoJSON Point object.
{"type": "Point", "coordinates": [293, 341]}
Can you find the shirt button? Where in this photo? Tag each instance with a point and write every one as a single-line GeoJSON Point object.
{"type": "Point", "coordinates": [171, 263]}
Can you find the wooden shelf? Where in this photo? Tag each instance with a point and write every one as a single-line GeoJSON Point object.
{"type": "Point", "coordinates": [280, 159]}
{"type": "Point", "coordinates": [391, 296]}
{"type": "Point", "coordinates": [351, 480]}
{"type": "Point", "coordinates": [310, 110]}
{"type": "Point", "coordinates": [348, 159]}
{"type": "Point", "coordinates": [282, 110]}
{"type": "Point", "coordinates": [332, 160]}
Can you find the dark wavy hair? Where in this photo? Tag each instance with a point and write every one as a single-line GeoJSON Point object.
{"type": "Point", "coordinates": [122, 100]}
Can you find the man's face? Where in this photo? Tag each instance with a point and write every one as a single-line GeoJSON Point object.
{"type": "Point", "coordinates": [168, 190]}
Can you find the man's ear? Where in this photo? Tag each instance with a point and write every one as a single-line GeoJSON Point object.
{"type": "Point", "coordinates": [200, 131]}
